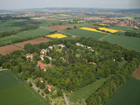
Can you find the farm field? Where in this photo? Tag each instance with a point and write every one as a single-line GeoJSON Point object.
{"type": "Point", "coordinates": [85, 33]}
{"type": "Point", "coordinates": [137, 73]}
{"type": "Point", "coordinates": [15, 91]}
{"type": "Point", "coordinates": [8, 49]}
{"type": "Point", "coordinates": [125, 28]}
{"type": "Point", "coordinates": [58, 27]}
{"type": "Point", "coordinates": [129, 42]}
{"type": "Point", "coordinates": [80, 24]}
{"type": "Point", "coordinates": [128, 94]}
{"type": "Point", "coordinates": [33, 41]}
{"type": "Point", "coordinates": [57, 36]}
{"type": "Point", "coordinates": [11, 25]}
{"type": "Point", "coordinates": [48, 23]}
{"type": "Point", "coordinates": [107, 29]}
{"type": "Point", "coordinates": [33, 33]}
{"type": "Point", "coordinates": [8, 39]}
{"type": "Point", "coordinates": [85, 92]}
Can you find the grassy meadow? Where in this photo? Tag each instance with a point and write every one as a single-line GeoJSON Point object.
{"type": "Point", "coordinates": [14, 91]}
{"type": "Point", "coordinates": [128, 94]}
{"type": "Point", "coordinates": [85, 92]}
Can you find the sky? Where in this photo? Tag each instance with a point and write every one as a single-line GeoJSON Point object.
{"type": "Point", "coordinates": [26, 4]}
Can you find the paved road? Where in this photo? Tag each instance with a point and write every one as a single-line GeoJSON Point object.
{"type": "Point", "coordinates": [36, 88]}
{"type": "Point", "coordinates": [67, 102]}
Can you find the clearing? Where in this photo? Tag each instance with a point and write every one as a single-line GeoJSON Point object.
{"type": "Point", "coordinates": [85, 92]}
{"type": "Point", "coordinates": [33, 41]}
{"type": "Point", "coordinates": [14, 91]}
{"type": "Point", "coordinates": [128, 94]}
{"type": "Point", "coordinates": [8, 49]}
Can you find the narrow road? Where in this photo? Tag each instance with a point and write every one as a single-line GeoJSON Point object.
{"type": "Point", "coordinates": [67, 102]}
{"type": "Point", "coordinates": [36, 88]}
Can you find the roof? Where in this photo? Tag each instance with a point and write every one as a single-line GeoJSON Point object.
{"type": "Point", "coordinates": [42, 51]}
{"type": "Point", "coordinates": [49, 86]}
{"type": "Point", "coordinates": [41, 55]}
{"type": "Point", "coordinates": [48, 57]}
{"type": "Point", "coordinates": [29, 55]}
{"type": "Point", "coordinates": [92, 63]}
{"type": "Point", "coordinates": [42, 66]}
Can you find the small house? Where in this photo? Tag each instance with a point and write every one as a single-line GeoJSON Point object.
{"type": "Point", "coordinates": [50, 47]}
{"type": "Point", "coordinates": [29, 56]}
{"type": "Point", "coordinates": [49, 87]}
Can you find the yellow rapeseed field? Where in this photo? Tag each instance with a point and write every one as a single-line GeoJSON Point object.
{"type": "Point", "coordinates": [127, 17]}
{"type": "Point", "coordinates": [104, 24]}
{"type": "Point", "coordinates": [91, 29]}
{"type": "Point", "coordinates": [56, 36]}
{"type": "Point", "coordinates": [64, 15]}
{"type": "Point", "coordinates": [107, 29]}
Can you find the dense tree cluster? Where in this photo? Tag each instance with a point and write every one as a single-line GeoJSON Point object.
{"type": "Point", "coordinates": [71, 69]}
{"type": "Point", "coordinates": [133, 34]}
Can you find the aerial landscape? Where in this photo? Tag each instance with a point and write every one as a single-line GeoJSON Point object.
{"type": "Point", "coordinates": [69, 52]}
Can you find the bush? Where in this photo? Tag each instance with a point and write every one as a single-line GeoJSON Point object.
{"type": "Point", "coordinates": [59, 92]}
{"type": "Point", "coordinates": [38, 90]}
{"type": "Point", "coordinates": [42, 94]}
{"type": "Point", "coordinates": [30, 84]}
{"type": "Point", "coordinates": [46, 91]}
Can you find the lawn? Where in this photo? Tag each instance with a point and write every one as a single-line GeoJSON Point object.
{"type": "Point", "coordinates": [85, 92]}
{"type": "Point", "coordinates": [128, 94]}
{"type": "Point", "coordinates": [85, 33]}
{"type": "Point", "coordinates": [129, 42]}
{"type": "Point", "coordinates": [15, 91]}
{"type": "Point", "coordinates": [8, 39]}
{"type": "Point", "coordinates": [33, 33]}
{"type": "Point", "coordinates": [11, 25]}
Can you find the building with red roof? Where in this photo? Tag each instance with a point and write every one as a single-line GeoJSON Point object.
{"type": "Point", "coordinates": [29, 56]}
{"type": "Point", "coordinates": [49, 87]}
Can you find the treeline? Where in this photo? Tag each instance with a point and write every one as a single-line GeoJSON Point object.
{"type": "Point", "coordinates": [8, 33]}
{"type": "Point", "coordinates": [8, 17]}
{"type": "Point", "coordinates": [133, 34]}
{"type": "Point", "coordinates": [102, 95]}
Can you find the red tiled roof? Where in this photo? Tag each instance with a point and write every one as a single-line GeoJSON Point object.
{"type": "Point", "coordinates": [49, 86]}
{"type": "Point", "coordinates": [41, 55]}
{"type": "Point", "coordinates": [41, 51]}
{"type": "Point", "coordinates": [29, 55]}
{"type": "Point", "coordinates": [48, 57]}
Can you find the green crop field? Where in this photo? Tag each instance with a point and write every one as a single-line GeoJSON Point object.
{"type": "Point", "coordinates": [33, 33]}
{"type": "Point", "coordinates": [8, 39]}
{"type": "Point", "coordinates": [85, 92]}
{"type": "Point", "coordinates": [125, 28]}
{"type": "Point", "coordinates": [129, 42]}
{"type": "Point", "coordinates": [128, 94]}
{"type": "Point", "coordinates": [14, 91]}
{"type": "Point", "coordinates": [11, 25]}
{"type": "Point", "coordinates": [85, 33]}
{"type": "Point", "coordinates": [48, 23]}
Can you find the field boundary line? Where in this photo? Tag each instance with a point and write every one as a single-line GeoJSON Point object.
{"type": "Point", "coordinates": [104, 36]}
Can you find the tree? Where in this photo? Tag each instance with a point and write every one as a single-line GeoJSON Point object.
{"type": "Point", "coordinates": [30, 84]}
{"type": "Point", "coordinates": [42, 85]}
{"type": "Point", "coordinates": [69, 85]}
{"type": "Point", "coordinates": [59, 92]}
{"type": "Point", "coordinates": [42, 94]}
{"type": "Point", "coordinates": [46, 91]}
{"type": "Point", "coordinates": [37, 83]}
{"type": "Point", "coordinates": [46, 60]}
